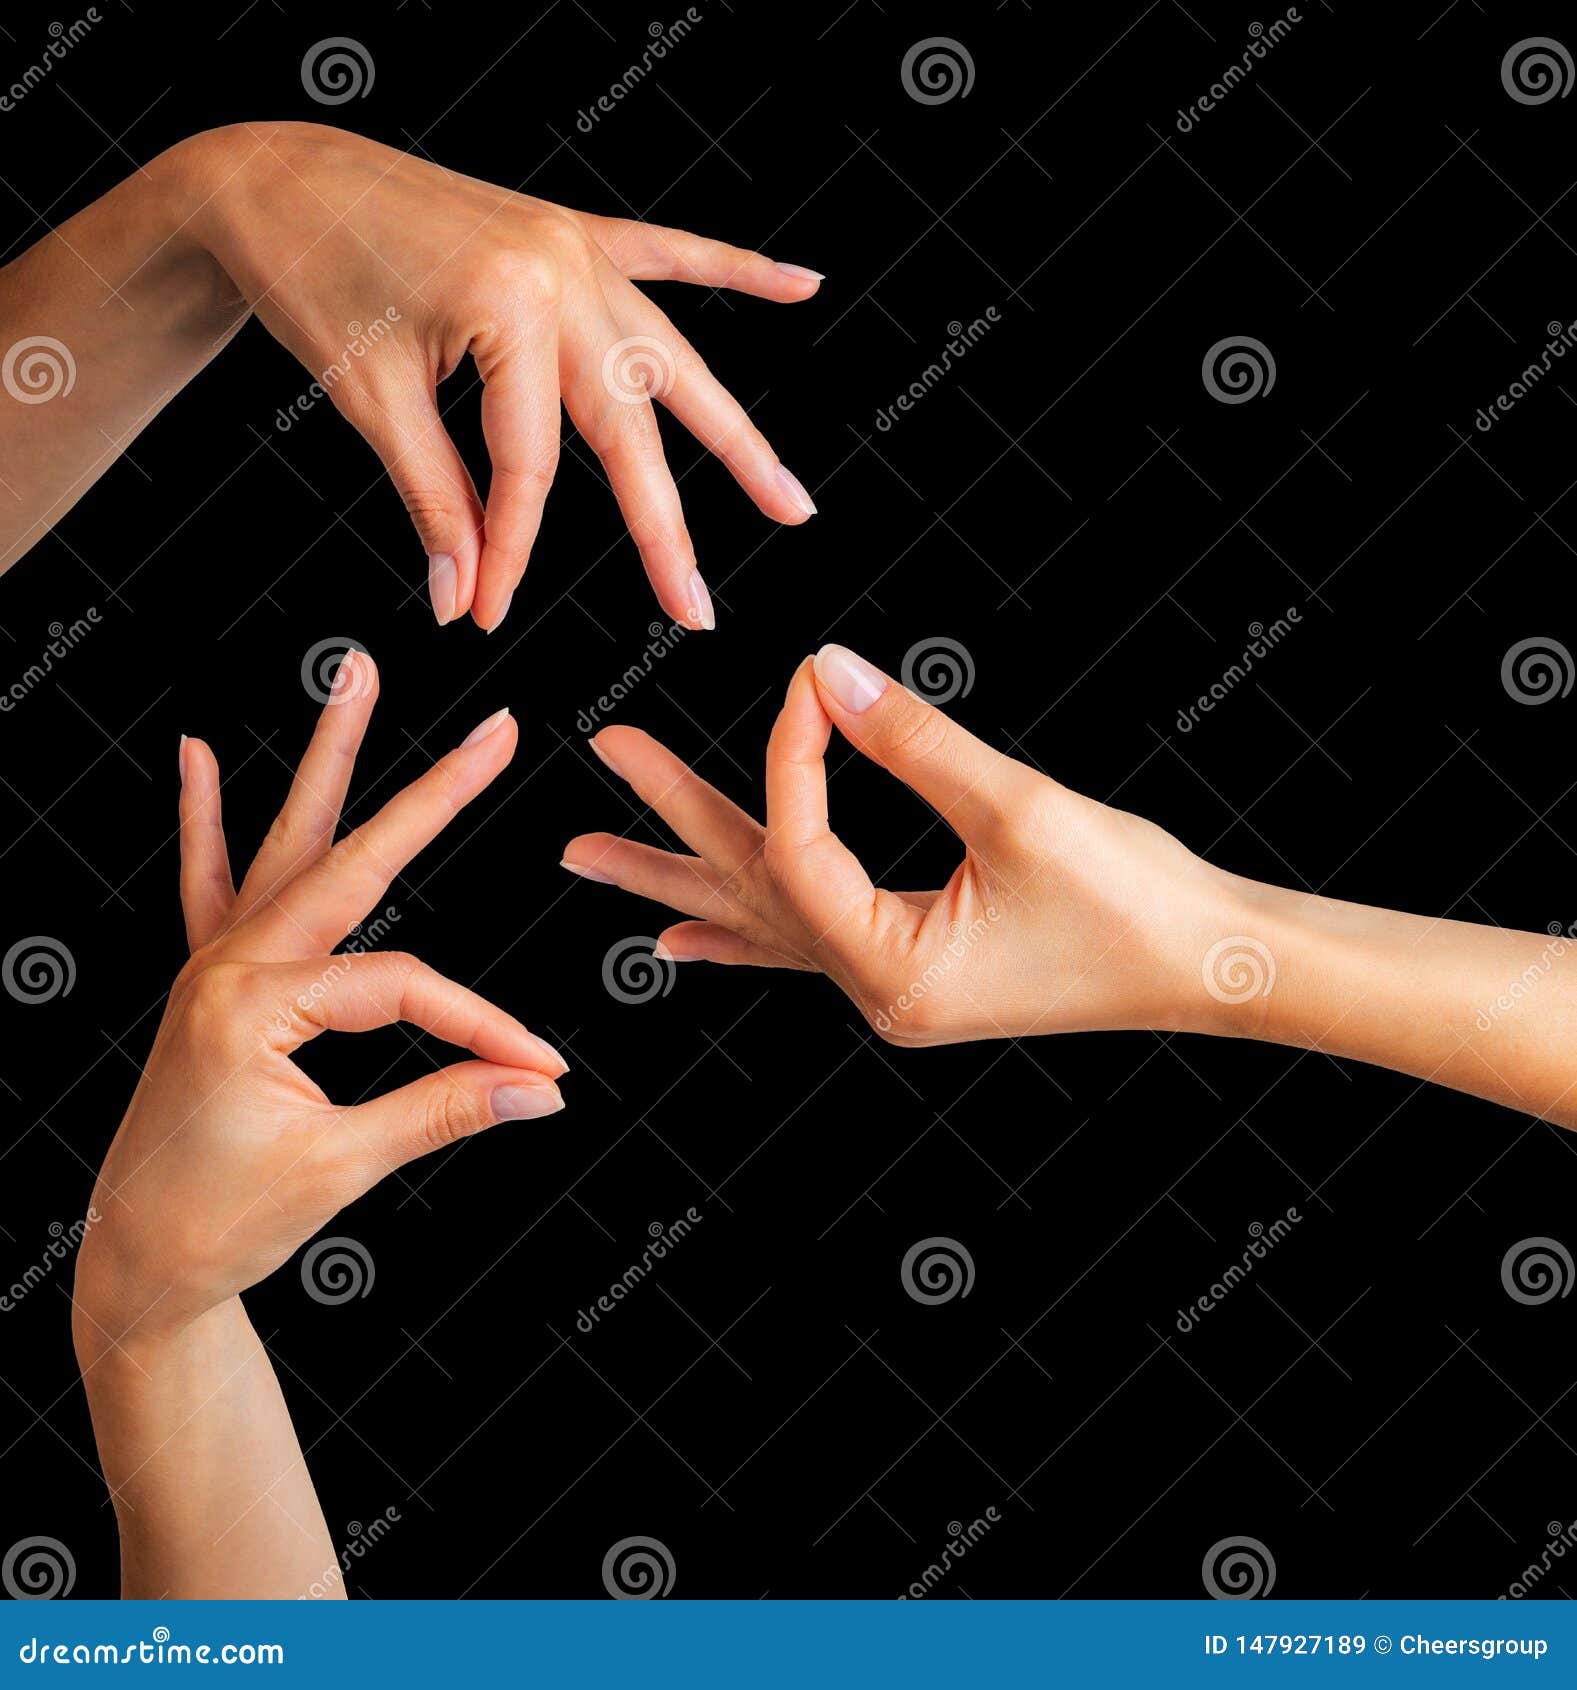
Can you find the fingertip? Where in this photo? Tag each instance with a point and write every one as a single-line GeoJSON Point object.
{"type": "Point", "coordinates": [800, 282]}
{"type": "Point", "coordinates": [524, 1099]}
{"type": "Point", "coordinates": [847, 684]}
{"type": "Point", "coordinates": [607, 745]}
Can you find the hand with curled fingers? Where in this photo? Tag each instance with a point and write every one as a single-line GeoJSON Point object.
{"type": "Point", "coordinates": [1066, 914]}
{"type": "Point", "coordinates": [230, 1157]}
{"type": "Point", "coordinates": [318, 229]}
{"type": "Point", "coordinates": [1063, 914]}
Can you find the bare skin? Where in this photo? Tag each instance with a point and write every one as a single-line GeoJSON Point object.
{"type": "Point", "coordinates": [1066, 915]}
{"type": "Point", "coordinates": [230, 1158]}
{"type": "Point", "coordinates": [383, 273]}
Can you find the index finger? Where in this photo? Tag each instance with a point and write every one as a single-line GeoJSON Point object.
{"type": "Point", "coordinates": [319, 907]}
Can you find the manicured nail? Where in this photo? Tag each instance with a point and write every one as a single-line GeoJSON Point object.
{"type": "Point", "coordinates": [596, 746]}
{"type": "Point", "coordinates": [442, 580]}
{"type": "Point", "coordinates": [663, 954]}
{"type": "Point", "coordinates": [700, 602]}
{"type": "Point", "coordinates": [850, 679]}
{"type": "Point", "coordinates": [181, 763]}
{"type": "Point", "coordinates": [524, 1103]}
{"type": "Point", "coordinates": [483, 729]}
{"type": "Point", "coordinates": [552, 1057]}
{"type": "Point", "coordinates": [800, 273]}
{"type": "Point", "coordinates": [504, 612]}
{"type": "Point", "coordinates": [790, 483]}
{"type": "Point", "coordinates": [345, 674]}
{"type": "Point", "coordinates": [588, 873]}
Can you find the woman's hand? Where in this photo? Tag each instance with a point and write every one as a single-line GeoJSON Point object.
{"type": "Point", "coordinates": [319, 229]}
{"type": "Point", "coordinates": [1063, 914]}
{"type": "Point", "coordinates": [1066, 914]}
{"type": "Point", "coordinates": [229, 1157]}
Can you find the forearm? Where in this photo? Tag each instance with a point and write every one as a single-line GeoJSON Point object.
{"type": "Point", "coordinates": [1478, 1008]}
{"type": "Point", "coordinates": [102, 322]}
{"type": "Point", "coordinates": [211, 1491]}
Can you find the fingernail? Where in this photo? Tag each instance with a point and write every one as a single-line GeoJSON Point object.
{"type": "Point", "coordinates": [607, 759]}
{"type": "Point", "coordinates": [800, 273]}
{"type": "Point", "coordinates": [663, 954]}
{"type": "Point", "coordinates": [345, 674]}
{"type": "Point", "coordinates": [850, 679]}
{"type": "Point", "coordinates": [504, 612]}
{"type": "Point", "coordinates": [181, 760]}
{"type": "Point", "coordinates": [483, 729]}
{"type": "Point", "coordinates": [790, 483]}
{"type": "Point", "coordinates": [588, 873]}
{"type": "Point", "coordinates": [524, 1103]}
{"type": "Point", "coordinates": [442, 579]}
{"type": "Point", "coordinates": [596, 746]}
{"type": "Point", "coordinates": [700, 602]}
{"type": "Point", "coordinates": [544, 1049]}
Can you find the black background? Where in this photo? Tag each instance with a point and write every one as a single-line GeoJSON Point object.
{"type": "Point", "coordinates": [1075, 509]}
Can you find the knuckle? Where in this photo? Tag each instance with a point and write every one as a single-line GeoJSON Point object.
{"type": "Point", "coordinates": [528, 276]}
{"type": "Point", "coordinates": [446, 1118]}
{"type": "Point", "coordinates": [918, 733]}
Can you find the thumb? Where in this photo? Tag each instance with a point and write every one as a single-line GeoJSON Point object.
{"type": "Point", "coordinates": [445, 1107]}
{"type": "Point", "coordinates": [970, 784]}
{"type": "Point", "coordinates": [406, 431]}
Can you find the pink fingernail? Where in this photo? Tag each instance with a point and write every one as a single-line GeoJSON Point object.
{"type": "Point", "coordinates": [850, 679]}
{"type": "Point", "coordinates": [663, 954]}
{"type": "Point", "coordinates": [442, 581]}
{"type": "Point", "coordinates": [589, 873]}
{"type": "Point", "coordinates": [181, 760]}
{"type": "Point", "coordinates": [524, 1103]}
{"type": "Point", "coordinates": [503, 613]}
{"type": "Point", "coordinates": [597, 747]}
{"type": "Point", "coordinates": [790, 483]}
{"type": "Point", "coordinates": [800, 273]}
{"type": "Point", "coordinates": [701, 612]}
{"type": "Point", "coordinates": [483, 729]}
